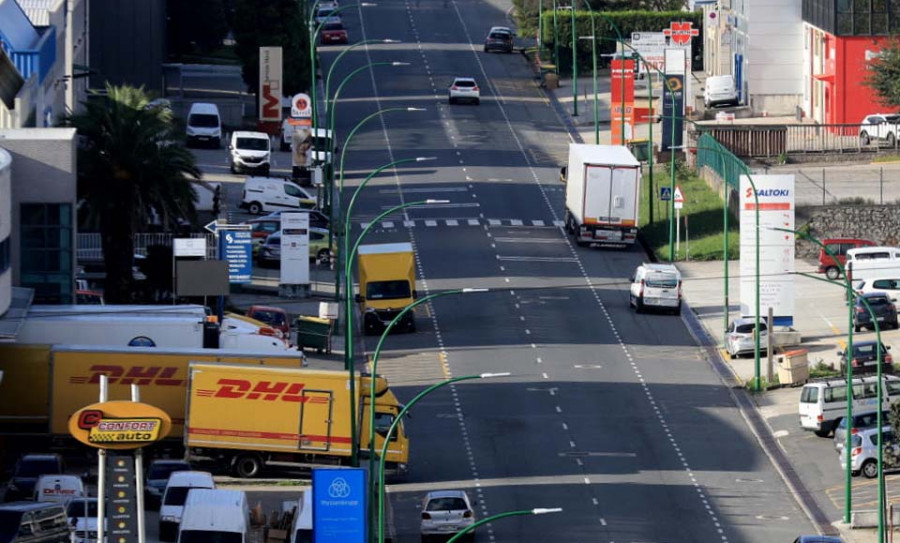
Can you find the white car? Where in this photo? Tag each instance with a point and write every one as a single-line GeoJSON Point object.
{"type": "Point", "coordinates": [249, 152]}
{"type": "Point", "coordinates": [82, 513]}
{"type": "Point", "coordinates": [879, 127]}
{"type": "Point", "coordinates": [739, 337]}
{"type": "Point", "coordinates": [887, 285]}
{"type": "Point", "coordinates": [720, 90]}
{"type": "Point", "coordinates": [656, 286]}
{"type": "Point", "coordinates": [864, 451]}
{"type": "Point", "coordinates": [445, 513]}
{"type": "Point", "coordinates": [464, 89]}
{"type": "Point", "coordinates": [326, 14]}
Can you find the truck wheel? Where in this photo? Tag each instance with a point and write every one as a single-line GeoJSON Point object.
{"type": "Point", "coordinates": [247, 466]}
{"type": "Point", "coordinates": [255, 208]}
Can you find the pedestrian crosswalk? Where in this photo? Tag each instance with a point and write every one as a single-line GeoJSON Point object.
{"type": "Point", "coordinates": [436, 223]}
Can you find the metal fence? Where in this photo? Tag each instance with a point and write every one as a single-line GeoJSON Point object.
{"type": "Point", "coordinates": [767, 141]}
{"type": "Point", "coordinates": [714, 155]}
{"type": "Point", "coordinates": [89, 247]}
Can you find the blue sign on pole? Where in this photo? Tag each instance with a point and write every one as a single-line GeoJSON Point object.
{"type": "Point", "coordinates": [339, 505]}
{"type": "Point", "coordinates": [239, 254]}
{"type": "Point", "coordinates": [665, 193]}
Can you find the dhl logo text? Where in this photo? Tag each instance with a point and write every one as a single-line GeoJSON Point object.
{"type": "Point", "coordinates": [268, 391]}
{"type": "Point", "coordinates": [133, 375]}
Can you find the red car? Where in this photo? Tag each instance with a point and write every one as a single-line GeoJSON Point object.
{"type": "Point", "coordinates": [839, 248]}
{"type": "Point", "coordinates": [275, 317]}
{"type": "Point", "coordinates": [334, 33]}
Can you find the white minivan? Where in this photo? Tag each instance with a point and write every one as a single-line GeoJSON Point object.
{"type": "Point", "coordinates": [656, 286]}
{"type": "Point", "coordinates": [870, 262]}
{"type": "Point", "coordinates": [174, 498]}
{"type": "Point", "coordinates": [720, 90]}
{"type": "Point", "coordinates": [58, 488]}
{"type": "Point", "coordinates": [215, 516]}
{"type": "Point", "coordinates": [823, 403]}
{"type": "Point", "coordinates": [249, 152]}
{"type": "Point", "coordinates": [268, 194]}
{"type": "Point", "coordinates": [204, 125]}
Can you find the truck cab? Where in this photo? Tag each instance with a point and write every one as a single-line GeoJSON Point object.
{"type": "Point", "coordinates": [387, 284]}
{"type": "Point", "coordinates": [387, 408]}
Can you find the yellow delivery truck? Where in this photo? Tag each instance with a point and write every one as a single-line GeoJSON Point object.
{"type": "Point", "coordinates": [387, 284]}
{"type": "Point", "coordinates": [246, 417]}
{"type": "Point", "coordinates": [43, 385]}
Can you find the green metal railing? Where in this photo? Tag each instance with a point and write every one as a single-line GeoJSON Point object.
{"type": "Point", "coordinates": [717, 157]}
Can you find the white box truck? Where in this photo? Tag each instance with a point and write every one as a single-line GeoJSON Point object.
{"type": "Point", "coordinates": [602, 194]}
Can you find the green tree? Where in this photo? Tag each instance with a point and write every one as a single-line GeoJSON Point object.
{"type": "Point", "coordinates": [130, 174]}
{"type": "Point", "coordinates": [185, 35]}
{"type": "Point", "coordinates": [271, 24]}
{"type": "Point", "coordinates": [884, 74]}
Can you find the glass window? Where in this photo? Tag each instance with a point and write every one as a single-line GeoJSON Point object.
{"type": "Point", "coordinates": [836, 394]}
{"type": "Point", "coordinates": [388, 290]}
{"type": "Point", "coordinates": [893, 388]}
{"type": "Point", "coordinates": [46, 251]}
{"type": "Point", "coordinates": [383, 422]}
{"type": "Point", "coordinates": [809, 395]}
{"type": "Point", "coordinates": [446, 504]}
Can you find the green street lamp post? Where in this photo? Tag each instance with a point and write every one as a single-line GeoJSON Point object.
{"type": "Point", "coordinates": [376, 356]}
{"type": "Point", "coordinates": [492, 518]}
{"type": "Point", "coordinates": [338, 60]}
{"type": "Point", "coordinates": [393, 427]}
{"type": "Point", "coordinates": [574, 64]}
{"type": "Point", "coordinates": [555, 37]}
{"type": "Point", "coordinates": [335, 217]}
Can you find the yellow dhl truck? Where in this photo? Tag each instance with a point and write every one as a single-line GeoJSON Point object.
{"type": "Point", "coordinates": [43, 385]}
{"type": "Point", "coordinates": [387, 284]}
{"type": "Point", "coordinates": [247, 417]}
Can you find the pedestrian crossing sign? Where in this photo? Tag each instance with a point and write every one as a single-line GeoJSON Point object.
{"type": "Point", "coordinates": [665, 193]}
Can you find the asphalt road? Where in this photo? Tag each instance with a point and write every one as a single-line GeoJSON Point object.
{"type": "Point", "coordinates": [614, 417]}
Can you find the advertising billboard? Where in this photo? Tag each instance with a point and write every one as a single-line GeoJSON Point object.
{"type": "Point", "coordinates": [270, 84]}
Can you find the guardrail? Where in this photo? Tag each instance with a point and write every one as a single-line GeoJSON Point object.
{"type": "Point", "coordinates": [88, 246]}
{"type": "Point", "coordinates": [768, 140]}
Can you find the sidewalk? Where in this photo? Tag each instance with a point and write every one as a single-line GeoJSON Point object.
{"type": "Point", "coordinates": [820, 313]}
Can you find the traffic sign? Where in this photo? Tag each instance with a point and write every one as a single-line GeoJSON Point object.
{"type": "Point", "coordinates": [679, 197]}
{"type": "Point", "coordinates": [665, 193]}
{"type": "Point", "coordinates": [238, 251]}
{"type": "Point", "coordinates": [220, 224]}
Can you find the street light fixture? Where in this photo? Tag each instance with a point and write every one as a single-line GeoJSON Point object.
{"type": "Point", "coordinates": [397, 419]}
{"type": "Point", "coordinates": [537, 511]}
{"type": "Point", "coordinates": [376, 356]}
{"type": "Point", "coordinates": [340, 56]}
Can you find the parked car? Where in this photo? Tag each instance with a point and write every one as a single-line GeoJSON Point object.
{"type": "Point", "coordinates": [249, 152]}
{"type": "Point", "coordinates": [333, 33]}
{"type": "Point", "coordinates": [656, 286]}
{"type": "Point", "coordinates": [739, 337]}
{"type": "Point", "coordinates": [58, 488]}
{"type": "Point", "coordinates": [864, 451]}
{"type": "Point", "coordinates": [880, 305]}
{"type": "Point", "coordinates": [864, 358]}
{"type": "Point", "coordinates": [264, 194]}
{"type": "Point", "coordinates": [879, 127]}
{"type": "Point", "coordinates": [838, 247]}
{"type": "Point", "coordinates": [275, 317]}
{"type": "Point", "coordinates": [157, 477]}
{"type": "Point", "coordinates": [720, 90]}
{"type": "Point", "coordinates": [34, 522]}
{"type": "Point", "coordinates": [28, 470]}
{"type": "Point", "coordinates": [180, 483]}
{"type": "Point", "coordinates": [887, 285]}
{"type": "Point", "coordinates": [270, 251]}
{"type": "Point", "coordinates": [464, 89]}
{"type": "Point", "coordinates": [328, 14]}
{"type": "Point", "coordinates": [499, 38]}
{"type": "Point", "coordinates": [861, 421]}
{"type": "Point", "coordinates": [82, 513]}
{"type": "Point", "coordinates": [445, 513]}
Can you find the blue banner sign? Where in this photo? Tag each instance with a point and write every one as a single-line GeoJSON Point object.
{"type": "Point", "coordinates": [238, 251]}
{"type": "Point", "coordinates": [339, 505]}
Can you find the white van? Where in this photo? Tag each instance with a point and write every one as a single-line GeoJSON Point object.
{"type": "Point", "coordinates": [302, 531]}
{"type": "Point", "coordinates": [656, 286]}
{"type": "Point", "coordinates": [204, 125]}
{"type": "Point", "coordinates": [823, 403]}
{"type": "Point", "coordinates": [268, 194]}
{"type": "Point", "coordinates": [720, 90]}
{"type": "Point", "coordinates": [174, 498]}
{"type": "Point", "coordinates": [215, 515]}
{"type": "Point", "coordinates": [249, 152]}
{"type": "Point", "coordinates": [59, 489]}
{"type": "Point", "coordinates": [871, 262]}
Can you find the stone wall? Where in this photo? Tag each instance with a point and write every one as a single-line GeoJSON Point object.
{"type": "Point", "coordinates": [878, 223]}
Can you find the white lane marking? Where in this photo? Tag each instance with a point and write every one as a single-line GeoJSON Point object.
{"type": "Point", "coordinates": [554, 241]}
{"type": "Point", "coordinates": [474, 222]}
{"type": "Point", "coordinates": [541, 223]}
{"type": "Point", "coordinates": [430, 223]}
{"type": "Point", "coordinates": [493, 222]}
{"type": "Point", "coordinates": [564, 260]}
{"type": "Point", "coordinates": [517, 222]}
{"type": "Point", "coordinates": [390, 224]}
{"type": "Point", "coordinates": [454, 222]}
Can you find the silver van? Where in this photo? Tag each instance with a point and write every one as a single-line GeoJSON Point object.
{"type": "Point", "coordinates": [33, 522]}
{"type": "Point", "coordinates": [824, 402]}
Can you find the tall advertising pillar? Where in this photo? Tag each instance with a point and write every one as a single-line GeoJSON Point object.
{"type": "Point", "coordinates": [673, 91]}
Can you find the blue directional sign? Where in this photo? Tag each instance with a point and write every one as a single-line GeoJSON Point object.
{"type": "Point", "coordinates": [665, 193]}
{"type": "Point", "coordinates": [238, 251]}
{"type": "Point", "coordinates": [339, 505]}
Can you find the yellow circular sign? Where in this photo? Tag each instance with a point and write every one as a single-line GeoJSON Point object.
{"type": "Point", "coordinates": [119, 425]}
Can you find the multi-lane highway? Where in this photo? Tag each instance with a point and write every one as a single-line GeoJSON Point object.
{"type": "Point", "coordinates": [615, 417]}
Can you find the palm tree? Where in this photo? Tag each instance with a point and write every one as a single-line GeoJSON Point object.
{"type": "Point", "coordinates": [130, 172]}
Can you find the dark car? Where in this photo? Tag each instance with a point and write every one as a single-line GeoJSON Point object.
{"type": "Point", "coordinates": [865, 356]}
{"type": "Point", "coordinates": [158, 476]}
{"type": "Point", "coordinates": [818, 539]}
{"type": "Point", "coordinates": [499, 39]}
{"type": "Point", "coordinates": [881, 307]}
{"type": "Point", "coordinates": [28, 470]}
{"type": "Point", "coordinates": [34, 522]}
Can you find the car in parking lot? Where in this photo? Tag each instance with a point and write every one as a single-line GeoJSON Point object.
{"type": "Point", "coordinates": [879, 127]}
{"type": "Point", "coordinates": [157, 477]}
{"type": "Point", "coordinates": [275, 317]}
{"type": "Point", "coordinates": [720, 90]}
{"type": "Point", "coordinates": [739, 338]}
{"type": "Point", "coordinates": [464, 89]}
{"type": "Point", "coordinates": [82, 514]}
{"type": "Point", "coordinates": [28, 470]}
{"type": "Point", "coordinates": [877, 305]}
{"type": "Point", "coordinates": [887, 285]}
{"type": "Point", "coordinates": [838, 247]}
{"type": "Point", "coordinates": [864, 358]}
{"type": "Point", "coordinates": [861, 421]}
{"type": "Point", "coordinates": [270, 252]}
{"type": "Point", "coordinates": [499, 38]}
{"type": "Point", "coordinates": [864, 452]}
{"type": "Point", "coordinates": [445, 513]}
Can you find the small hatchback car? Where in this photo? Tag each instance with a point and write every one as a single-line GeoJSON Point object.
{"type": "Point", "coordinates": [499, 38]}
{"type": "Point", "coordinates": [739, 337]}
{"type": "Point", "coordinates": [882, 309]}
{"type": "Point", "coordinates": [445, 513]}
{"type": "Point", "coordinates": [464, 89]}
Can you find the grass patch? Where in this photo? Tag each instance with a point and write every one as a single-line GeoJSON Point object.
{"type": "Point", "coordinates": [886, 158]}
{"type": "Point", "coordinates": [702, 238]}
{"type": "Point", "coordinates": [821, 370]}
{"type": "Point", "coordinates": [764, 384]}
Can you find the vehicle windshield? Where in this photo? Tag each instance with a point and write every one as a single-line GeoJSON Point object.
{"type": "Point", "coordinates": [36, 468]}
{"type": "Point", "coordinates": [253, 144]}
{"type": "Point", "coordinates": [203, 536]}
{"type": "Point", "coordinates": [176, 495]}
{"type": "Point", "coordinates": [326, 12]}
{"type": "Point", "coordinates": [162, 471]}
{"type": "Point", "coordinates": [748, 328]}
{"type": "Point", "coordinates": [303, 536]}
{"type": "Point", "coordinates": [892, 118]}
{"type": "Point", "coordinates": [9, 525]}
{"type": "Point", "coordinates": [203, 120]}
{"type": "Point", "coordinates": [388, 290]}
{"type": "Point", "coordinates": [446, 504]}
{"type": "Point", "coordinates": [464, 83]}
{"type": "Point", "coordinates": [661, 280]}
{"type": "Point", "coordinates": [499, 36]}
{"type": "Point", "coordinates": [269, 317]}
{"type": "Point", "coordinates": [875, 300]}
{"type": "Point", "coordinates": [865, 350]}
{"type": "Point", "coordinates": [82, 508]}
